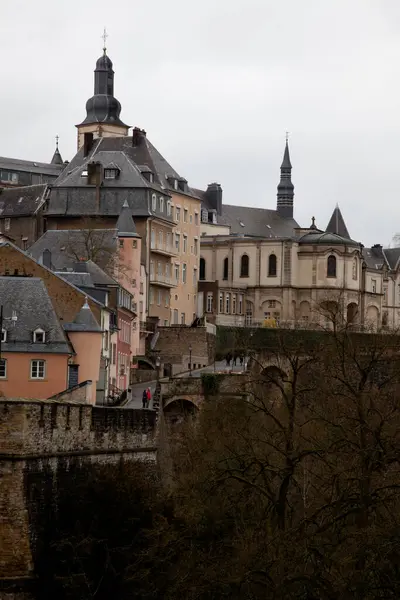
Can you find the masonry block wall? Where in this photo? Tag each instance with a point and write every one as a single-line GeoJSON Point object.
{"type": "Point", "coordinates": [39, 441]}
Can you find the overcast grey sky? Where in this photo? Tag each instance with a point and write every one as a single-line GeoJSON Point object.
{"type": "Point", "coordinates": [216, 84]}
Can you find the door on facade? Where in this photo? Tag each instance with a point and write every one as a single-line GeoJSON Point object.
{"type": "Point", "coordinates": [73, 375]}
{"type": "Point", "coordinates": [176, 317]}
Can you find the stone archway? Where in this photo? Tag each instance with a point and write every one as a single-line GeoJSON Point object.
{"type": "Point", "coordinates": [352, 315]}
{"type": "Point", "coordinates": [177, 410]}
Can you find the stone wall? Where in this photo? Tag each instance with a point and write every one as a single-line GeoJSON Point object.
{"type": "Point", "coordinates": [78, 394]}
{"type": "Point", "coordinates": [41, 439]}
{"type": "Point", "coordinates": [174, 342]}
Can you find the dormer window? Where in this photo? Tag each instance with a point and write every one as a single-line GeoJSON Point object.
{"type": "Point", "coordinates": [3, 335]}
{"type": "Point", "coordinates": [39, 336]}
{"type": "Point", "coordinates": [148, 175]}
{"type": "Point", "coordinates": [84, 173]}
{"type": "Point", "coordinates": [176, 184]}
{"type": "Point", "coordinates": [111, 173]}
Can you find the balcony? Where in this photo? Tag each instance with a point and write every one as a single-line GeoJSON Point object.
{"type": "Point", "coordinates": [162, 280]}
{"type": "Point", "coordinates": [163, 249]}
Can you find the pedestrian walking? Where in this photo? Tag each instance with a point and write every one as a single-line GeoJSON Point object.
{"type": "Point", "coordinates": [241, 360]}
{"type": "Point", "coordinates": [148, 397]}
{"type": "Point", "coordinates": [234, 360]}
{"type": "Point", "coordinates": [228, 359]}
{"type": "Point", "coordinates": [144, 398]}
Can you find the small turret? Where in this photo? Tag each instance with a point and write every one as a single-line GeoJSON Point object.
{"type": "Point", "coordinates": [57, 160]}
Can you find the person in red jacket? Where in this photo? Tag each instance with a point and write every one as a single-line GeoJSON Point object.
{"type": "Point", "coordinates": [148, 392]}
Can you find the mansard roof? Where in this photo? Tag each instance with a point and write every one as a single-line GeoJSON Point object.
{"type": "Point", "coordinates": [135, 157]}
{"type": "Point", "coordinates": [22, 201]}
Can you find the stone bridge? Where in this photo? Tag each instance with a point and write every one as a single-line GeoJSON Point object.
{"type": "Point", "coordinates": [185, 395]}
{"type": "Point", "coordinates": [39, 439]}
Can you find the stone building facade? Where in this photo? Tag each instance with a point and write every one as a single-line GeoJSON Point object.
{"type": "Point", "coordinates": [259, 267]}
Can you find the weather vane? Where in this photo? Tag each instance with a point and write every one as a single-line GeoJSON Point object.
{"type": "Point", "coordinates": [104, 36]}
{"type": "Point", "coordinates": [57, 138]}
{"type": "Point", "coordinates": [287, 136]}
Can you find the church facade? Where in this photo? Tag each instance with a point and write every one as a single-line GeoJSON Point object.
{"type": "Point", "coordinates": [259, 267]}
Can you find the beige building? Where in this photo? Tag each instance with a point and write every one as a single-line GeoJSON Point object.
{"type": "Point", "coordinates": [186, 213]}
{"type": "Point", "coordinates": [258, 267]}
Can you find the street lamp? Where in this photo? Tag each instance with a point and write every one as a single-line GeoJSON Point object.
{"type": "Point", "coordinates": [190, 361]}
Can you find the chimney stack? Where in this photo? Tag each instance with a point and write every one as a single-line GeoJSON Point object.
{"type": "Point", "coordinates": [46, 258]}
{"type": "Point", "coordinates": [137, 136]}
{"type": "Point", "coordinates": [214, 197]}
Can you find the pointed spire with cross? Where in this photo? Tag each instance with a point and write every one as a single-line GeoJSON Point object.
{"type": "Point", "coordinates": [57, 138]}
{"type": "Point", "coordinates": [104, 36]}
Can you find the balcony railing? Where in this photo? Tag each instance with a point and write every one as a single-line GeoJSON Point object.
{"type": "Point", "coordinates": [162, 280]}
{"type": "Point", "coordinates": [163, 249]}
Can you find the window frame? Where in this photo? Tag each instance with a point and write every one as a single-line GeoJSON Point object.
{"type": "Point", "coordinates": [209, 302]}
{"type": "Point", "coordinates": [272, 265]}
{"type": "Point", "coordinates": [38, 362]}
{"type": "Point", "coordinates": [3, 362]}
{"type": "Point", "coordinates": [244, 266]}
{"type": "Point", "coordinates": [225, 269]}
{"type": "Point", "coordinates": [40, 332]}
{"type": "Point", "coordinates": [331, 267]}
{"type": "Point", "coordinates": [154, 202]}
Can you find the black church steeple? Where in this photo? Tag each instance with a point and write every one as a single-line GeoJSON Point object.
{"type": "Point", "coordinates": [103, 107]}
{"type": "Point", "coordinates": [285, 186]}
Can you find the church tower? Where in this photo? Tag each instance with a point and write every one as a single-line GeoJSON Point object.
{"type": "Point", "coordinates": [286, 187]}
{"type": "Point", "coordinates": [102, 109]}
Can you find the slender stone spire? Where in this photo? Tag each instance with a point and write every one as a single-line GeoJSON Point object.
{"type": "Point", "coordinates": [285, 186]}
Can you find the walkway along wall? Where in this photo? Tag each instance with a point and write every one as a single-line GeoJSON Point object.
{"type": "Point", "coordinates": [38, 440]}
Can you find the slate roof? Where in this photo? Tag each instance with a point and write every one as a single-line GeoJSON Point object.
{"type": "Point", "coordinates": [77, 279]}
{"type": "Point", "coordinates": [260, 222]}
{"type": "Point", "coordinates": [84, 321]}
{"type": "Point", "coordinates": [337, 225]}
{"type": "Point", "coordinates": [29, 166]}
{"type": "Point", "coordinates": [392, 256]}
{"type": "Point", "coordinates": [125, 224]}
{"type": "Point", "coordinates": [22, 201]}
{"type": "Point", "coordinates": [374, 257]}
{"type": "Point", "coordinates": [69, 246]}
{"type": "Point", "coordinates": [326, 238]}
{"type": "Point", "coordinates": [28, 297]}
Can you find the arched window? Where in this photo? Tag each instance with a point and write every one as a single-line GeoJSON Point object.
{"type": "Point", "coordinates": [226, 269]}
{"type": "Point", "coordinates": [244, 266]}
{"type": "Point", "coordinates": [202, 275]}
{"type": "Point", "coordinates": [355, 268]}
{"type": "Point", "coordinates": [272, 265]}
{"type": "Point", "coordinates": [331, 266]}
